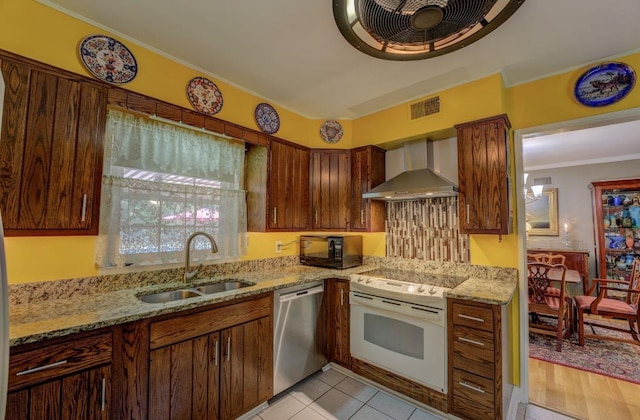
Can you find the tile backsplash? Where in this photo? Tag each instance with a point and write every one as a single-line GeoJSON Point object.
{"type": "Point", "coordinates": [426, 229]}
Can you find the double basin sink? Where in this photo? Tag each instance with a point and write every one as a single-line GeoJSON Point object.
{"type": "Point", "coordinates": [186, 293]}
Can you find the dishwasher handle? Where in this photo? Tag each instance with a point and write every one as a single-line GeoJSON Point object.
{"type": "Point", "coordinates": [302, 293]}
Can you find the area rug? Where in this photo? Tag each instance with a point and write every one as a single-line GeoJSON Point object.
{"type": "Point", "coordinates": [609, 358]}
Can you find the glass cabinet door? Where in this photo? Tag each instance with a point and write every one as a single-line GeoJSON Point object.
{"type": "Point", "coordinates": [619, 241]}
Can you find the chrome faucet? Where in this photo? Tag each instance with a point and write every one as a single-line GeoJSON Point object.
{"type": "Point", "coordinates": [188, 275]}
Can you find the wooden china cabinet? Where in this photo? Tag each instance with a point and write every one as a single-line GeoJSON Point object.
{"type": "Point", "coordinates": [617, 223]}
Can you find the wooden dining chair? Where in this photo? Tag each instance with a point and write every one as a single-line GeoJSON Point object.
{"type": "Point", "coordinates": [547, 258]}
{"type": "Point", "coordinates": [605, 305]}
{"type": "Point", "coordinates": [543, 301]}
{"type": "Point", "coordinates": [551, 259]}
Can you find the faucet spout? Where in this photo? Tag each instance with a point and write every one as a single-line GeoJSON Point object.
{"type": "Point", "coordinates": [188, 275]}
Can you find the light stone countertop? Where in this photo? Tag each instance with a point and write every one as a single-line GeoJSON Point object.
{"type": "Point", "coordinates": [50, 314]}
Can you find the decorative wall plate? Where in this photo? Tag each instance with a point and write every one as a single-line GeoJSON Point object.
{"type": "Point", "coordinates": [108, 59]}
{"type": "Point", "coordinates": [204, 95]}
{"type": "Point", "coordinates": [267, 118]}
{"type": "Point", "coordinates": [331, 131]}
{"type": "Point", "coordinates": [604, 84]}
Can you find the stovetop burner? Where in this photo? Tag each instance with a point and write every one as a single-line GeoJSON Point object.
{"type": "Point", "coordinates": [405, 285]}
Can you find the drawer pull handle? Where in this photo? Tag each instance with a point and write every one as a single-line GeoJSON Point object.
{"type": "Point", "coordinates": [39, 368]}
{"type": "Point", "coordinates": [472, 318]}
{"type": "Point", "coordinates": [475, 388]}
{"type": "Point", "coordinates": [215, 356]}
{"type": "Point", "coordinates": [468, 340]}
{"type": "Point", "coordinates": [468, 220]}
{"type": "Point", "coordinates": [341, 297]}
{"type": "Point", "coordinates": [362, 217]}
{"type": "Point", "coordinates": [104, 393]}
{"type": "Point", "coordinates": [275, 215]}
{"type": "Point", "coordinates": [228, 348]}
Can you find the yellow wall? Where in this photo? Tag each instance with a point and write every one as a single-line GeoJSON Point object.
{"type": "Point", "coordinates": [30, 29]}
{"type": "Point", "coordinates": [467, 102]}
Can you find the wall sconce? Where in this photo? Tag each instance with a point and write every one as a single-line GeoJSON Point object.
{"type": "Point", "coordinates": [536, 189]}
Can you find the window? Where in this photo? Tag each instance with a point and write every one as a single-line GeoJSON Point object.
{"type": "Point", "coordinates": [160, 184]}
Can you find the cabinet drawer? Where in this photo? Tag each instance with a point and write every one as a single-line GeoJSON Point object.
{"type": "Point", "coordinates": [48, 362]}
{"type": "Point", "coordinates": [180, 328]}
{"type": "Point", "coordinates": [469, 409]}
{"type": "Point", "coordinates": [473, 316]}
{"type": "Point", "coordinates": [480, 362]}
{"type": "Point", "coordinates": [478, 339]}
{"type": "Point", "coordinates": [473, 388]}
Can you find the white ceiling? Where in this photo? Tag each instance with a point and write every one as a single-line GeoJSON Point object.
{"type": "Point", "coordinates": [291, 53]}
{"type": "Point", "coordinates": [608, 143]}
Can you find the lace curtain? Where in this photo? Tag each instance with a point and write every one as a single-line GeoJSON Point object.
{"type": "Point", "coordinates": [160, 184]}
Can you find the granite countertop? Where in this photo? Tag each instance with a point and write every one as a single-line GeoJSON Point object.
{"type": "Point", "coordinates": [43, 318]}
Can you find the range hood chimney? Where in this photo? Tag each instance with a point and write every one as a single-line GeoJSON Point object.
{"type": "Point", "coordinates": [418, 180]}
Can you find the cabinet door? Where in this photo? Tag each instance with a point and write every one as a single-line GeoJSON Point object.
{"type": "Point", "coordinates": [617, 223]}
{"type": "Point", "coordinates": [52, 139]}
{"type": "Point", "coordinates": [330, 189]}
{"type": "Point", "coordinates": [338, 341]}
{"type": "Point", "coordinates": [483, 164]}
{"type": "Point", "coordinates": [184, 379]}
{"type": "Point", "coordinates": [288, 187]}
{"type": "Point", "coordinates": [367, 171]}
{"type": "Point", "coordinates": [247, 367]}
{"type": "Point", "coordinates": [82, 395]}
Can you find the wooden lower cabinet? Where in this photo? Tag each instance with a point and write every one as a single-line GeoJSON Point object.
{"type": "Point", "coordinates": [337, 307]}
{"type": "Point", "coordinates": [475, 335]}
{"type": "Point", "coordinates": [67, 380]}
{"type": "Point", "coordinates": [184, 379]}
{"type": "Point", "coordinates": [212, 364]}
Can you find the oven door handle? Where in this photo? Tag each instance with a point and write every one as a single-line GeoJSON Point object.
{"type": "Point", "coordinates": [398, 307]}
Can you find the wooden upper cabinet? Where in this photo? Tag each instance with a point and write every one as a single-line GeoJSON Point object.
{"type": "Point", "coordinates": [367, 171]}
{"type": "Point", "coordinates": [330, 189]}
{"type": "Point", "coordinates": [483, 176]}
{"type": "Point", "coordinates": [51, 151]}
{"type": "Point", "coordinates": [288, 187]}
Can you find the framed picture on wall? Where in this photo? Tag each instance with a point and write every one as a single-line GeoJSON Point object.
{"type": "Point", "coordinates": [542, 213]}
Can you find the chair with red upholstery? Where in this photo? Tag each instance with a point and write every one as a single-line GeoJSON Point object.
{"type": "Point", "coordinates": [605, 305]}
{"type": "Point", "coordinates": [545, 301]}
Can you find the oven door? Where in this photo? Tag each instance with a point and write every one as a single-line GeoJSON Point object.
{"type": "Point", "coordinates": [411, 347]}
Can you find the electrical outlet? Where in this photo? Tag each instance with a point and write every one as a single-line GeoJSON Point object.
{"type": "Point", "coordinates": [278, 247]}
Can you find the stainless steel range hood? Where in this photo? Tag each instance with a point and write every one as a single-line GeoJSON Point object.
{"type": "Point", "coordinates": [418, 180]}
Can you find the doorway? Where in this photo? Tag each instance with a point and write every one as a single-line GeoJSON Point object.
{"type": "Point", "coordinates": [540, 134]}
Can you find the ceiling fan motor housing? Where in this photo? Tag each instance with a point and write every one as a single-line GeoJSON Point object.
{"type": "Point", "coordinates": [418, 29]}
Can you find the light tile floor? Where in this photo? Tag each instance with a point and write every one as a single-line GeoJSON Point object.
{"type": "Point", "coordinates": [333, 395]}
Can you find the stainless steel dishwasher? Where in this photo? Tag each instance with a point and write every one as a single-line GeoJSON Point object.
{"type": "Point", "coordinates": [297, 349]}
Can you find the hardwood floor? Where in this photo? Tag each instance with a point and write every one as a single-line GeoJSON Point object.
{"type": "Point", "coordinates": [582, 394]}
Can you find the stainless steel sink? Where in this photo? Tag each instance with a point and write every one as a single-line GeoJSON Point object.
{"type": "Point", "coordinates": [223, 286]}
{"type": "Point", "coordinates": [207, 289]}
{"type": "Point", "coordinates": [171, 296]}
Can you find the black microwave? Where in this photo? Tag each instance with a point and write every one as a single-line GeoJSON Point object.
{"type": "Point", "coordinates": [340, 251]}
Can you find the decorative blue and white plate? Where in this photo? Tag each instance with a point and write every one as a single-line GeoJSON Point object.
{"type": "Point", "coordinates": [604, 84]}
{"type": "Point", "coordinates": [108, 59]}
{"type": "Point", "coordinates": [331, 131]}
{"type": "Point", "coordinates": [267, 118]}
{"type": "Point", "coordinates": [204, 95]}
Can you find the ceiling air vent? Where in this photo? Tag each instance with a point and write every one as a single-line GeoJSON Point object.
{"type": "Point", "coordinates": [424, 108]}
